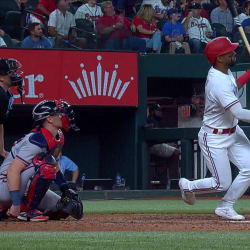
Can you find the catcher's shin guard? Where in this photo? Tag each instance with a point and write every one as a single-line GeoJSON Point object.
{"type": "Point", "coordinates": [40, 182]}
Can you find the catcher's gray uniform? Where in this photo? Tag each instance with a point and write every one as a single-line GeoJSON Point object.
{"type": "Point", "coordinates": [25, 150]}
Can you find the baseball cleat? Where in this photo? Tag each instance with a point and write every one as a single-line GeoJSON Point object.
{"type": "Point", "coordinates": [34, 215]}
{"type": "Point", "coordinates": [228, 213]}
{"type": "Point", "coordinates": [187, 196]}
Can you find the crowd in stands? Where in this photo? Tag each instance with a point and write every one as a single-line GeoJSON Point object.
{"type": "Point", "coordinates": [152, 26]}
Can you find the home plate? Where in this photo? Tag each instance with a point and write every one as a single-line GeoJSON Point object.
{"type": "Point", "coordinates": [239, 221]}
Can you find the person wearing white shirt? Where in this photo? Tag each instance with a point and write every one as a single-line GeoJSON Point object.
{"type": "Point", "coordinates": [2, 43]}
{"type": "Point", "coordinates": [161, 7]}
{"type": "Point", "coordinates": [89, 11]}
{"type": "Point", "coordinates": [220, 138]}
{"type": "Point", "coordinates": [222, 15]}
{"type": "Point", "coordinates": [62, 25]}
{"type": "Point", "coordinates": [198, 29]}
{"type": "Point", "coordinates": [246, 11]}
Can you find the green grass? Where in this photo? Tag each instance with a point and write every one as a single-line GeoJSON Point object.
{"type": "Point", "coordinates": [158, 206]}
{"type": "Point", "coordinates": [133, 240]}
{"type": "Point", "coordinates": [123, 240]}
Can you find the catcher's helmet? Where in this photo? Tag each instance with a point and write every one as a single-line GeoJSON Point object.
{"type": "Point", "coordinates": [12, 67]}
{"type": "Point", "coordinates": [217, 47]}
{"type": "Point", "coordinates": [48, 108]}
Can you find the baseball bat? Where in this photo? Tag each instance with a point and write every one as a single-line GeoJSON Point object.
{"type": "Point", "coordinates": [234, 13]}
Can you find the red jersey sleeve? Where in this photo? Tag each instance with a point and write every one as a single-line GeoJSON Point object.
{"type": "Point", "coordinates": [137, 21]}
{"type": "Point", "coordinates": [44, 3]}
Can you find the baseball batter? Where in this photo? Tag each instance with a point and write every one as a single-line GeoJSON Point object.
{"type": "Point", "coordinates": [220, 138]}
{"type": "Point", "coordinates": [30, 168]}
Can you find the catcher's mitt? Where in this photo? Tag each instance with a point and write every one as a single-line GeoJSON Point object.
{"type": "Point", "coordinates": [70, 203]}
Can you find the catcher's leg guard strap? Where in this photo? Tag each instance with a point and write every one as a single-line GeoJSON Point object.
{"type": "Point", "coordinates": [39, 185]}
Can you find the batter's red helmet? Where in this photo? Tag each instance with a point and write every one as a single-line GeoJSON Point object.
{"type": "Point", "coordinates": [217, 47]}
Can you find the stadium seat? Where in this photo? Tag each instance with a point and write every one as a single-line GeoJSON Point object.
{"type": "Point", "coordinates": [220, 29]}
{"type": "Point", "coordinates": [12, 24]}
{"type": "Point", "coordinates": [85, 28]}
{"type": "Point", "coordinates": [242, 53]}
{"type": "Point", "coordinates": [5, 6]}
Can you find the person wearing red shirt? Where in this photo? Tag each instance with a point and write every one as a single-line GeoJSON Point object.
{"type": "Point", "coordinates": [116, 30]}
{"type": "Point", "coordinates": [45, 7]}
{"type": "Point", "coordinates": [146, 28]}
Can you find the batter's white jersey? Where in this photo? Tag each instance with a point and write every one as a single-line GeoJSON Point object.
{"type": "Point", "coordinates": [220, 94]}
{"type": "Point", "coordinates": [197, 28]}
{"type": "Point", "coordinates": [219, 149]}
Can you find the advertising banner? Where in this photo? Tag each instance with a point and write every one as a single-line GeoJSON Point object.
{"type": "Point", "coordinates": [79, 77]}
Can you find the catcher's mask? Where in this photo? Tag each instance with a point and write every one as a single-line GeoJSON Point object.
{"type": "Point", "coordinates": [11, 67]}
{"type": "Point", "coordinates": [48, 108]}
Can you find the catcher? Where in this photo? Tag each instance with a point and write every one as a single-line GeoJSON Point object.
{"type": "Point", "coordinates": [30, 168]}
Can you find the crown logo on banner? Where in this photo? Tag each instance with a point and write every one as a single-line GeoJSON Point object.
{"type": "Point", "coordinates": [97, 84]}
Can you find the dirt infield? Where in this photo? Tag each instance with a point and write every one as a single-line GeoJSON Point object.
{"type": "Point", "coordinates": [133, 222]}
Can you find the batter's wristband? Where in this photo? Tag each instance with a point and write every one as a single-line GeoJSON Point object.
{"type": "Point", "coordinates": [15, 197]}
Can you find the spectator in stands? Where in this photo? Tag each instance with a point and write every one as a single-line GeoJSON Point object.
{"type": "Point", "coordinates": [161, 8]}
{"type": "Point", "coordinates": [20, 3]}
{"type": "Point", "coordinates": [146, 28]}
{"type": "Point", "coordinates": [203, 12]}
{"type": "Point", "coordinates": [62, 26]}
{"type": "Point", "coordinates": [125, 7]}
{"type": "Point", "coordinates": [86, 17]}
{"type": "Point", "coordinates": [246, 25]}
{"type": "Point", "coordinates": [67, 164]}
{"type": "Point", "coordinates": [246, 11]}
{"type": "Point", "coordinates": [184, 6]}
{"type": "Point", "coordinates": [89, 11]}
{"type": "Point", "coordinates": [198, 28]}
{"type": "Point", "coordinates": [173, 32]}
{"type": "Point", "coordinates": [36, 38]}
{"type": "Point", "coordinates": [116, 30]}
{"type": "Point", "coordinates": [222, 15]}
{"type": "Point", "coordinates": [44, 8]}
{"type": "Point", "coordinates": [2, 42]}
{"type": "Point", "coordinates": [7, 41]}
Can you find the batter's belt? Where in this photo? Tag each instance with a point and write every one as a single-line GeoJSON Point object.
{"type": "Point", "coordinates": [220, 131]}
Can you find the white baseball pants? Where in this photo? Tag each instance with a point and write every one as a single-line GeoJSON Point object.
{"type": "Point", "coordinates": [219, 150]}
